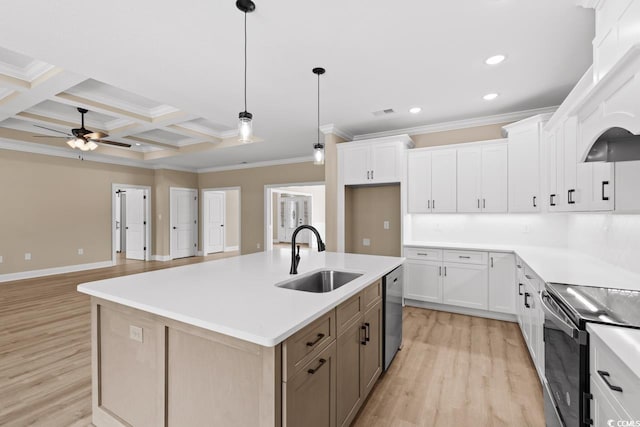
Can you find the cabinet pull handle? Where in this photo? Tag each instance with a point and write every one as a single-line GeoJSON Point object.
{"type": "Point", "coordinates": [371, 174]}
{"type": "Point", "coordinates": [439, 271]}
{"type": "Point", "coordinates": [368, 175]}
{"type": "Point", "coordinates": [570, 197]}
{"type": "Point", "coordinates": [433, 203]}
{"type": "Point", "coordinates": [364, 340]}
{"type": "Point", "coordinates": [367, 331]}
{"type": "Point", "coordinates": [316, 341]}
{"type": "Point", "coordinates": [484, 203]}
{"type": "Point", "coordinates": [520, 289]}
{"type": "Point", "coordinates": [445, 271]}
{"type": "Point", "coordinates": [429, 204]}
{"type": "Point", "coordinates": [603, 184]}
{"type": "Point", "coordinates": [464, 257]}
{"type": "Point", "coordinates": [314, 370]}
{"type": "Point", "coordinates": [528, 276]}
{"type": "Point", "coordinates": [422, 254]}
{"type": "Point", "coordinates": [478, 203]}
{"type": "Point", "coordinates": [551, 202]}
{"type": "Point", "coordinates": [605, 377]}
{"type": "Point", "coordinates": [518, 265]}
{"type": "Point", "coordinates": [526, 299]}
{"type": "Point", "coordinates": [491, 262]}
{"type": "Point", "coordinates": [534, 201]}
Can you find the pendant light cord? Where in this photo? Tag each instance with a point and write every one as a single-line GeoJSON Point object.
{"type": "Point", "coordinates": [245, 61]}
{"type": "Point", "coordinates": [318, 109]}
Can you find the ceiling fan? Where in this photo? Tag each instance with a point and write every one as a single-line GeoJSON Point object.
{"type": "Point", "coordinates": [83, 138]}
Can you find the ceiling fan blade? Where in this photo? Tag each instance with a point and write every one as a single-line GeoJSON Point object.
{"type": "Point", "coordinates": [117, 144]}
{"type": "Point", "coordinates": [96, 135]}
{"type": "Point", "coordinates": [51, 137]}
{"type": "Point", "coordinates": [54, 130]}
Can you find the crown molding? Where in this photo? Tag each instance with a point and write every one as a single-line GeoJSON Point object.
{"type": "Point", "coordinates": [588, 4]}
{"type": "Point", "coordinates": [305, 159]}
{"type": "Point", "coordinates": [332, 129]}
{"type": "Point", "coordinates": [460, 124]}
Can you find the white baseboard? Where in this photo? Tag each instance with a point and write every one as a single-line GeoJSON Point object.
{"type": "Point", "coordinates": [462, 310]}
{"type": "Point", "coordinates": [232, 248]}
{"type": "Point", "coordinates": [54, 270]}
{"type": "Point", "coordinates": [200, 253]}
{"type": "Point", "coordinates": [161, 258]}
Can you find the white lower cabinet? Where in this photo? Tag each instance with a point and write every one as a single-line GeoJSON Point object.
{"type": "Point", "coordinates": [502, 277]}
{"type": "Point", "coordinates": [603, 411]}
{"type": "Point", "coordinates": [465, 285]}
{"type": "Point", "coordinates": [423, 280]}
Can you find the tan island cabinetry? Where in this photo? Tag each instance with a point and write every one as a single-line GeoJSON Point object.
{"type": "Point", "coordinates": [151, 370]}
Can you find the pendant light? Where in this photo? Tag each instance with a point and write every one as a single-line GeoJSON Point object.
{"type": "Point", "coordinates": [318, 148]}
{"type": "Point", "coordinates": [245, 126]}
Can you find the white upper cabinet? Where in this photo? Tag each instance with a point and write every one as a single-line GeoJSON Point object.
{"type": "Point", "coordinates": [469, 179]}
{"type": "Point", "coordinates": [525, 138]}
{"type": "Point", "coordinates": [443, 181]}
{"type": "Point", "coordinates": [375, 161]}
{"type": "Point", "coordinates": [494, 178]}
{"type": "Point", "coordinates": [419, 181]}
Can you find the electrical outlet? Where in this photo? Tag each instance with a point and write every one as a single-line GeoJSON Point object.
{"type": "Point", "coordinates": [258, 245]}
{"type": "Point", "coordinates": [366, 242]}
{"type": "Point", "coordinates": [135, 333]}
{"type": "Point", "coordinates": [386, 225]}
{"type": "Point", "coordinates": [1, 259]}
{"type": "Point", "coordinates": [80, 251]}
{"type": "Point", "coordinates": [27, 256]}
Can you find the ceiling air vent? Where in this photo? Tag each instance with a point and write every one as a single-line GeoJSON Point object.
{"type": "Point", "coordinates": [384, 112]}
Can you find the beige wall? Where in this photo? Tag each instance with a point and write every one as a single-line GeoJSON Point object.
{"type": "Point", "coordinates": [52, 206]}
{"type": "Point", "coordinates": [164, 180]}
{"type": "Point", "coordinates": [232, 218]}
{"type": "Point", "coordinates": [331, 189]}
{"type": "Point", "coordinates": [366, 209]}
{"type": "Point", "coordinates": [252, 182]}
{"type": "Point", "coordinates": [458, 136]}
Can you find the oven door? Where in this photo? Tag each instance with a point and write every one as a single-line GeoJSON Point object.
{"type": "Point", "coordinates": [565, 348]}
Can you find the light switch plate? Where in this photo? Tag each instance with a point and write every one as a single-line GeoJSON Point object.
{"type": "Point", "coordinates": [386, 225]}
{"type": "Point", "coordinates": [27, 256]}
{"type": "Point", "coordinates": [135, 333]}
{"type": "Point", "coordinates": [80, 251]}
{"type": "Point", "coordinates": [1, 259]}
{"type": "Point", "coordinates": [366, 242]}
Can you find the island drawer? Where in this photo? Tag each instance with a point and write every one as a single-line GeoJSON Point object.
{"type": "Point", "coordinates": [349, 312]}
{"type": "Point", "coordinates": [423, 253]}
{"type": "Point", "coordinates": [304, 345]}
{"type": "Point", "coordinates": [372, 293]}
{"type": "Point", "coordinates": [466, 257]}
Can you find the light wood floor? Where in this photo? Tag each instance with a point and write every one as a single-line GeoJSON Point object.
{"type": "Point", "coordinates": [457, 371]}
{"type": "Point", "coordinates": [454, 370]}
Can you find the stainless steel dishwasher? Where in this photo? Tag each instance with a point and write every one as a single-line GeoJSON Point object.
{"type": "Point", "coordinates": [392, 286]}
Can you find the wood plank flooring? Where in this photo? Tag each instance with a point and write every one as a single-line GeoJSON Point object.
{"type": "Point", "coordinates": [454, 370]}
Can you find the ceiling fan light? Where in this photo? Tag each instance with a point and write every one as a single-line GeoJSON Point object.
{"type": "Point", "coordinates": [318, 154]}
{"type": "Point", "coordinates": [245, 126]}
{"type": "Point", "coordinates": [91, 145]}
{"type": "Point", "coordinates": [84, 147]}
{"type": "Point", "coordinates": [79, 143]}
{"type": "Point", "coordinates": [71, 143]}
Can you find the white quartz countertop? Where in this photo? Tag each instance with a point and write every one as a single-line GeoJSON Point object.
{"type": "Point", "coordinates": [623, 342]}
{"type": "Point", "coordinates": [237, 296]}
{"type": "Point", "coordinates": [556, 264]}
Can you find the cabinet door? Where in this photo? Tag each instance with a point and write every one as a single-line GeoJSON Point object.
{"type": "Point", "coordinates": [524, 170]}
{"type": "Point", "coordinates": [602, 187]}
{"type": "Point", "coordinates": [443, 181]}
{"type": "Point", "coordinates": [552, 170]}
{"type": "Point", "coordinates": [465, 285]}
{"type": "Point", "coordinates": [355, 165]}
{"type": "Point", "coordinates": [385, 163]}
{"type": "Point", "coordinates": [469, 179]}
{"type": "Point", "coordinates": [502, 283]}
{"type": "Point", "coordinates": [494, 178]}
{"type": "Point", "coordinates": [603, 411]}
{"type": "Point", "coordinates": [349, 383]}
{"type": "Point", "coordinates": [372, 350]}
{"type": "Point", "coordinates": [419, 181]}
{"type": "Point", "coordinates": [570, 163]}
{"type": "Point", "coordinates": [423, 281]}
{"type": "Point", "coordinates": [310, 396]}
{"type": "Point", "coordinates": [531, 308]}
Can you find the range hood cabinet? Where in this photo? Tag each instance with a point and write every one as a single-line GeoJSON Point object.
{"type": "Point", "coordinates": [615, 145]}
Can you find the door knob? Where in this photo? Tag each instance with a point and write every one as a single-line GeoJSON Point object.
{"type": "Point", "coordinates": [175, 228]}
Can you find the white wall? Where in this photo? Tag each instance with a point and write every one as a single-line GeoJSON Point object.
{"type": "Point", "coordinates": [516, 229]}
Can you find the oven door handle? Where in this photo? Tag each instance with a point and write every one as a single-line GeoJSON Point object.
{"type": "Point", "coordinates": [565, 327]}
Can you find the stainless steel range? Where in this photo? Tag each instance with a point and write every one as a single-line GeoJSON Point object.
{"type": "Point", "coordinates": [567, 310]}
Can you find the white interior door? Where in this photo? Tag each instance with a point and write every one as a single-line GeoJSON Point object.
{"type": "Point", "coordinates": [135, 224]}
{"type": "Point", "coordinates": [214, 210]}
{"type": "Point", "coordinates": [184, 214]}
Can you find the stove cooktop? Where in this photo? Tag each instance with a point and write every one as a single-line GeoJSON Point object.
{"type": "Point", "coordinates": [600, 305]}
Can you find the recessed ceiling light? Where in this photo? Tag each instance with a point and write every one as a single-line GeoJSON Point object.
{"type": "Point", "coordinates": [415, 110]}
{"type": "Point", "coordinates": [495, 60]}
{"type": "Point", "coordinates": [138, 144]}
{"type": "Point", "coordinates": [490, 96]}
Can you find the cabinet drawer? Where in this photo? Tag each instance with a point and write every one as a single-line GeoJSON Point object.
{"type": "Point", "coordinates": [372, 293]}
{"type": "Point", "coordinates": [302, 346]}
{"type": "Point", "coordinates": [423, 253]}
{"type": "Point", "coordinates": [606, 365]}
{"type": "Point", "coordinates": [466, 257]}
{"type": "Point", "coordinates": [349, 312]}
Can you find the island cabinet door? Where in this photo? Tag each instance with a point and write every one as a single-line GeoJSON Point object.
{"type": "Point", "coordinates": [310, 396]}
{"type": "Point", "coordinates": [349, 359]}
{"type": "Point", "coordinates": [372, 348]}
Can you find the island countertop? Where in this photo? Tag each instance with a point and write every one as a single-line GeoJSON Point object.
{"type": "Point", "coordinates": [238, 296]}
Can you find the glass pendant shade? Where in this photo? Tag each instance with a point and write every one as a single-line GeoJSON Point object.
{"type": "Point", "coordinates": [245, 126]}
{"type": "Point", "coordinates": [318, 154]}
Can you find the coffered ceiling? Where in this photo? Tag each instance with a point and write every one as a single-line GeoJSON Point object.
{"type": "Point", "coordinates": [168, 75]}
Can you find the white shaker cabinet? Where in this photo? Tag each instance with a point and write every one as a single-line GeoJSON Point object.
{"type": "Point", "coordinates": [423, 280]}
{"type": "Point", "coordinates": [443, 181]}
{"type": "Point", "coordinates": [469, 179]}
{"type": "Point", "coordinates": [356, 164]}
{"type": "Point", "coordinates": [419, 181]}
{"type": "Point", "coordinates": [494, 178]}
{"type": "Point", "coordinates": [502, 279]}
{"type": "Point", "coordinates": [465, 285]}
{"type": "Point", "coordinates": [375, 161]}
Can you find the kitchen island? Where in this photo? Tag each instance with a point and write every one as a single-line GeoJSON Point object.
{"type": "Point", "coordinates": [219, 343]}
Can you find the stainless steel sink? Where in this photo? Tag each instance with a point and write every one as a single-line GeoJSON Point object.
{"type": "Point", "coordinates": [320, 281]}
